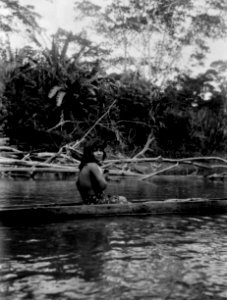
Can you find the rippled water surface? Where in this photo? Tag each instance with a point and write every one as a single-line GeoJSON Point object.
{"type": "Point", "coordinates": [156, 257]}
{"type": "Point", "coordinates": [159, 188]}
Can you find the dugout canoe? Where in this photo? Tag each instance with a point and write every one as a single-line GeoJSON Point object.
{"type": "Point", "coordinates": [72, 211]}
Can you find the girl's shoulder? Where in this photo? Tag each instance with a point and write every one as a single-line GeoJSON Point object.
{"type": "Point", "coordinates": [94, 166]}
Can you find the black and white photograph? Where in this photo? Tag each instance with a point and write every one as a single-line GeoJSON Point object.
{"type": "Point", "coordinates": [113, 149]}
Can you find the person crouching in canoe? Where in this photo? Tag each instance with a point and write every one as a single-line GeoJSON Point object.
{"type": "Point", "coordinates": [91, 181]}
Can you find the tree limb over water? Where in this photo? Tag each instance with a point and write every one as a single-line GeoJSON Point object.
{"type": "Point", "coordinates": [13, 161]}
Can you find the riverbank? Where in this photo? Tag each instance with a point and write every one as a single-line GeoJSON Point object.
{"type": "Point", "coordinates": [64, 165]}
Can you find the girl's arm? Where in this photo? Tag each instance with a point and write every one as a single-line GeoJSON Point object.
{"type": "Point", "coordinates": [97, 178]}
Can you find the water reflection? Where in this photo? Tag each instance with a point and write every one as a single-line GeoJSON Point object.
{"type": "Point", "coordinates": [52, 259]}
{"type": "Point", "coordinates": [117, 258]}
{"type": "Point", "coordinates": [159, 188]}
{"type": "Point", "coordinates": [126, 258]}
{"type": "Point", "coordinates": [171, 259]}
{"type": "Point", "coordinates": [37, 192]}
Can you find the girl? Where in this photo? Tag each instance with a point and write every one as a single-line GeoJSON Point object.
{"type": "Point", "coordinates": [91, 181]}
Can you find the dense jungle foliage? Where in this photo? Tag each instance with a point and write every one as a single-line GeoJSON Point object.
{"type": "Point", "coordinates": [50, 98]}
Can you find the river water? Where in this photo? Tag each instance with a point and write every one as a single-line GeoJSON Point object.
{"type": "Point", "coordinates": [152, 257]}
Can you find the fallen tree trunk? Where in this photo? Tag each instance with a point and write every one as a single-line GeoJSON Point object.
{"type": "Point", "coordinates": [32, 164]}
{"type": "Point", "coordinates": [160, 159]}
{"type": "Point", "coordinates": [64, 162]}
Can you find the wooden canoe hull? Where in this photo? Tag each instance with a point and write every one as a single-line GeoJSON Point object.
{"type": "Point", "coordinates": [55, 213]}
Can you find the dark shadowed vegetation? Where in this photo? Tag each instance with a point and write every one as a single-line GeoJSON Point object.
{"type": "Point", "coordinates": [70, 92]}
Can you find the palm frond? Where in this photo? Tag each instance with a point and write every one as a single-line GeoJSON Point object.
{"type": "Point", "coordinates": [59, 98]}
{"type": "Point", "coordinates": [54, 91]}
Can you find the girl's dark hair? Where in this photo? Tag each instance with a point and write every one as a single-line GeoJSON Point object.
{"type": "Point", "coordinates": [88, 154]}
